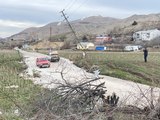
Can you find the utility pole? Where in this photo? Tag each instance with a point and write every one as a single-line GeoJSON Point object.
{"type": "Point", "coordinates": [74, 33]}
{"type": "Point", "coordinates": [50, 33]}
{"type": "Point", "coordinates": [69, 24]}
{"type": "Point", "coordinates": [72, 29]}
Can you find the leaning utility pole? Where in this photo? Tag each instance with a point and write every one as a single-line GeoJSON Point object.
{"type": "Point", "coordinates": [84, 53]}
{"type": "Point", "coordinates": [69, 25]}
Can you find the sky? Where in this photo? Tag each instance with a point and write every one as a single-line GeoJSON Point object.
{"type": "Point", "coordinates": [17, 15]}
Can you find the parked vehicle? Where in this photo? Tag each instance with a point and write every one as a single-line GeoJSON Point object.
{"type": "Point", "coordinates": [54, 56]}
{"type": "Point", "coordinates": [42, 62]}
{"type": "Point", "coordinates": [131, 48]}
{"type": "Point", "coordinates": [101, 48]}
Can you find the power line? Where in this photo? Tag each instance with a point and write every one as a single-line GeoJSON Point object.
{"type": "Point", "coordinates": [83, 2]}
{"type": "Point", "coordinates": [69, 6]}
{"type": "Point", "coordinates": [76, 9]}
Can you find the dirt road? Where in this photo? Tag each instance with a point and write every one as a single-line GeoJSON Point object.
{"type": "Point", "coordinates": [129, 92]}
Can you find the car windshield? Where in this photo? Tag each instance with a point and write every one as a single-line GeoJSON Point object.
{"type": "Point", "coordinates": [42, 59]}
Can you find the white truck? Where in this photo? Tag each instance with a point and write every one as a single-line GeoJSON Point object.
{"type": "Point", "coordinates": [54, 56]}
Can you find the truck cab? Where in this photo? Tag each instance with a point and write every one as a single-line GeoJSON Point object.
{"type": "Point", "coordinates": [54, 56]}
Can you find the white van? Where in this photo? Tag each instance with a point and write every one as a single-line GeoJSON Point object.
{"type": "Point", "coordinates": [131, 48]}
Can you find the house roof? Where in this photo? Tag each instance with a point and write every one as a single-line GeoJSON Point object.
{"type": "Point", "coordinates": [86, 43]}
{"type": "Point", "coordinates": [144, 31]}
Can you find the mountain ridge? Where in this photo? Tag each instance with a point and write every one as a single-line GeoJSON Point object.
{"type": "Point", "coordinates": [91, 25]}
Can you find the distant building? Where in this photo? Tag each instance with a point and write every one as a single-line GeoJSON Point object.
{"type": "Point", "coordinates": [132, 47]}
{"type": "Point", "coordinates": [102, 39]}
{"type": "Point", "coordinates": [85, 46]}
{"type": "Point", "coordinates": [25, 46]}
{"type": "Point", "coordinates": [146, 35]}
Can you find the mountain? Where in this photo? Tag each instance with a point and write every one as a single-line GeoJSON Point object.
{"type": "Point", "coordinates": [144, 22]}
{"type": "Point", "coordinates": [92, 26]}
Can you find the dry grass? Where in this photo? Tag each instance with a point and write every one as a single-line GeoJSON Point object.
{"type": "Point", "coordinates": [124, 65]}
{"type": "Point", "coordinates": [15, 92]}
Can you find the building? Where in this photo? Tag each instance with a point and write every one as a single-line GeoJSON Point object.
{"type": "Point", "coordinates": [146, 35]}
{"type": "Point", "coordinates": [85, 46]}
{"type": "Point", "coordinates": [132, 48]}
{"type": "Point", "coordinates": [25, 46]}
{"type": "Point", "coordinates": [102, 39]}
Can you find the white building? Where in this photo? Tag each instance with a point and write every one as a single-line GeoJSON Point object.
{"type": "Point", "coordinates": [85, 46]}
{"type": "Point", "coordinates": [146, 35]}
{"type": "Point", "coordinates": [132, 48]}
{"type": "Point", "coordinates": [25, 46]}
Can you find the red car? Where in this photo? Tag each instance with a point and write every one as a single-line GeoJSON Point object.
{"type": "Point", "coordinates": [42, 62]}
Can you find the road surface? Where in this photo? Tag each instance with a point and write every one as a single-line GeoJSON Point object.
{"type": "Point", "coordinates": [130, 93]}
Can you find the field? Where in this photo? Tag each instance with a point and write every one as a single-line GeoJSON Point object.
{"type": "Point", "coordinates": [15, 92]}
{"type": "Point", "coordinates": [124, 65]}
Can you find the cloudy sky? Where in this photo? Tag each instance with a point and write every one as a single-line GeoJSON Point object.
{"type": "Point", "coordinates": [16, 15]}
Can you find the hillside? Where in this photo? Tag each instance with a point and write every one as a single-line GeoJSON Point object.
{"type": "Point", "coordinates": [91, 26]}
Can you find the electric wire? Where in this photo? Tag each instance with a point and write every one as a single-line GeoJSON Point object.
{"type": "Point", "coordinates": [69, 8]}
{"type": "Point", "coordinates": [71, 4]}
{"type": "Point", "coordinates": [83, 29]}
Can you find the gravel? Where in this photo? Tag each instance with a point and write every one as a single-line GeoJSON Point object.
{"type": "Point", "coordinates": [130, 93]}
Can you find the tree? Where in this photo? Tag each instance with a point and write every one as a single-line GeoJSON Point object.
{"type": "Point", "coordinates": [134, 23]}
{"type": "Point", "coordinates": [84, 38]}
